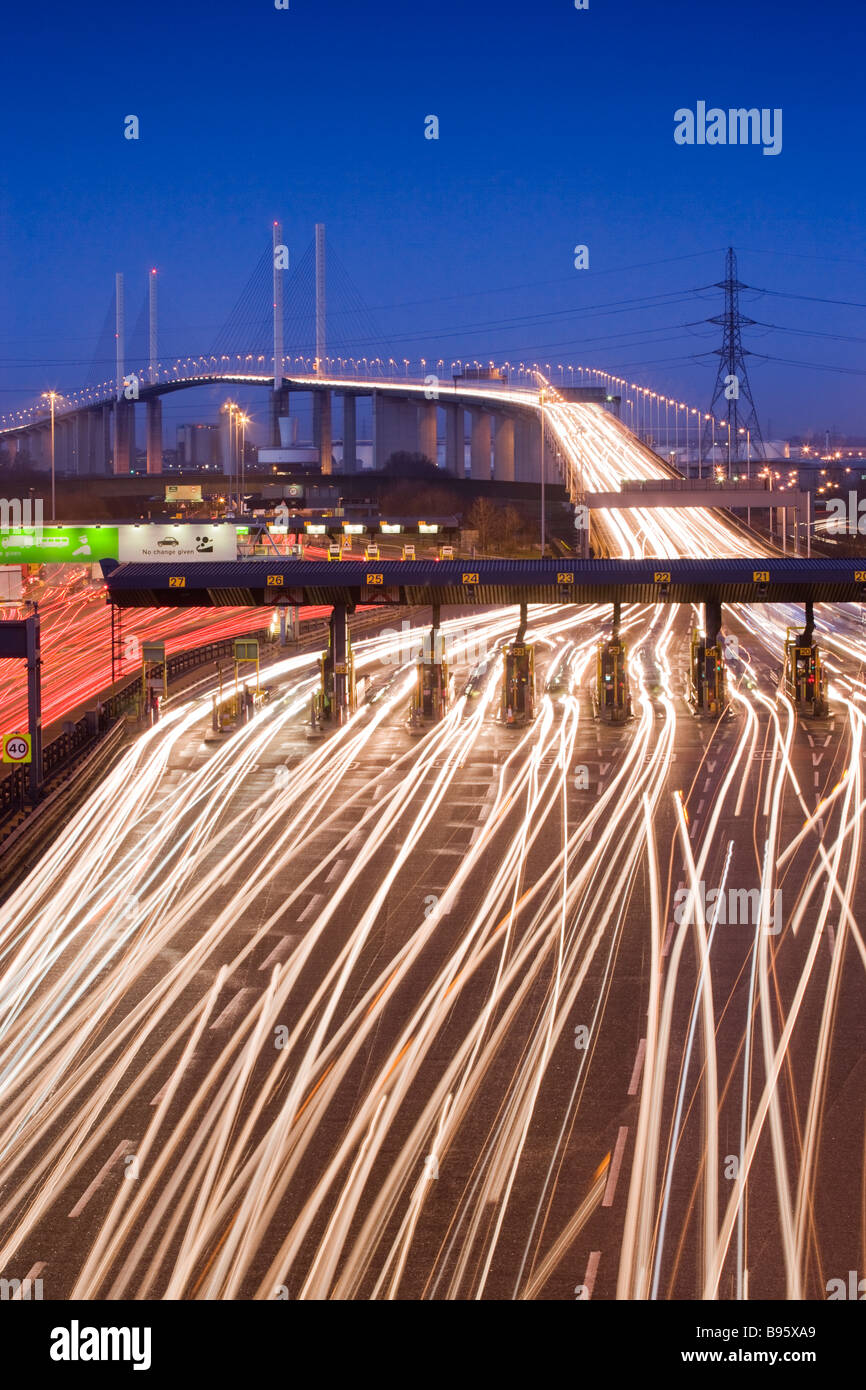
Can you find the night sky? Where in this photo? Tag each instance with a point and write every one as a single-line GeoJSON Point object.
{"type": "Point", "coordinates": [556, 128]}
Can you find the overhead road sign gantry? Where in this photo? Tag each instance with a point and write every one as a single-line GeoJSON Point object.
{"type": "Point", "coordinates": [263, 583]}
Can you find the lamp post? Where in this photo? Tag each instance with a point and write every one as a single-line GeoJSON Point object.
{"type": "Point", "coordinates": [232, 408]}
{"type": "Point", "coordinates": [52, 396]}
{"type": "Point", "coordinates": [243, 421]}
{"type": "Point", "coordinates": [748, 435]}
{"type": "Point", "coordinates": [541, 402]}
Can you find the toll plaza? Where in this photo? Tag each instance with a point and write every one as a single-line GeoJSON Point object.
{"type": "Point", "coordinates": [470, 583]}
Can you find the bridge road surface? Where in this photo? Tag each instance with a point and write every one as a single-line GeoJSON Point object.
{"type": "Point", "coordinates": [531, 1194]}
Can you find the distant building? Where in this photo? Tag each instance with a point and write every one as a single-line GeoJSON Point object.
{"type": "Point", "coordinates": [307, 456]}
{"type": "Point", "coordinates": [198, 446]}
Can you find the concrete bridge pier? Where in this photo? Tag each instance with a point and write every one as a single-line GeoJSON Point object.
{"type": "Point", "coordinates": [350, 432]}
{"type": "Point", "coordinates": [154, 435]}
{"type": "Point", "coordinates": [100, 439]}
{"type": "Point", "coordinates": [278, 408]}
{"type": "Point", "coordinates": [480, 445]}
{"type": "Point", "coordinates": [81, 444]}
{"type": "Point", "coordinates": [62, 447]}
{"type": "Point", "coordinates": [503, 450]}
{"type": "Point", "coordinates": [527, 453]}
{"type": "Point", "coordinates": [33, 445]}
{"type": "Point", "coordinates": [455, 448]}
{"type": "Point", "coordinates": [428, 436]}
{"type": "Point", "coordinates": [124, 435]}
{"type": "Point", "coordinates": [395, 428]}
{"type": "Point", "coordinates": [322, 429]}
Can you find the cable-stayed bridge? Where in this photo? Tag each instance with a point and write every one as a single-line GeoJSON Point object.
{"type": "Point", "coordinates": [304, 330]}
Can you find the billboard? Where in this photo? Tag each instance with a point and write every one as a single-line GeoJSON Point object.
{"type": "Point", "coordinates": [182, 541]}
{"type": "Point", "coordinates": [58, 545]}
{"type": "Point", "coordinates": [183, 492]}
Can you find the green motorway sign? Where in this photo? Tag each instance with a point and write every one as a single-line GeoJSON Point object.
{"type": "Point", "coordinates": [58, 545]}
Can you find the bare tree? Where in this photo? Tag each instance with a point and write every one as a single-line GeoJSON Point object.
{"type": "Point", "coordinates": [485, 517]}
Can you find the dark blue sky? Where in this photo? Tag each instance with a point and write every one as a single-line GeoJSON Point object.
{"type": "Point", "coordinates": [556, 129]}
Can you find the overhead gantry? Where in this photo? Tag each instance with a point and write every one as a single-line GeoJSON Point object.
{"type": "Point", "coordinates": [477, 583]}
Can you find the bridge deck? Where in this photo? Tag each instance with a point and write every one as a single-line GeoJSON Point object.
{"type": "Point", "coordinates": [267, 582]}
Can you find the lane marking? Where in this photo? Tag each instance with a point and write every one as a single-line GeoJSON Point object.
{"type": "Point", "coordinates": [233, 1009]}
{"type": "Point", "coordinates": [124, 1147]}
{"type": "Point", "coordinates": [281, 952]}
{"type": "Point", "coordinates": [616, 1164]}
{"type": "Point", "coordinates": [312, 906]}
{"type": "Point", "coordinates": [638, 1064]}
{"type": "Point", "coordinates": [588, 1280]}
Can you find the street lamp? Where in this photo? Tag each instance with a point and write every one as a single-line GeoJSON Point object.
{"type": "Point", "coordinates": [541, 403]}
{"type": "Point", "coordinates": [52, 396]}
{"type": "Point", "coordinates": [232, 408]}
{"type": "Point", "coordinates": [748, 435]}
{"type": "Point", "coordinates": [244, 420]}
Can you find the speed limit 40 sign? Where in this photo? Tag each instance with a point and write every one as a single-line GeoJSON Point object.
{"type": "Point", "coordinates": [17, 748]}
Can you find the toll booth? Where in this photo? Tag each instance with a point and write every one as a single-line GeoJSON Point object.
{"type": "Point", "coordinates": [708, 689]}
{"type": "Point", "coordinates": [518, 677]}
{"type": "Point", "coordinates": [803, 675]}
{"type": "Point", "coordinates": [154, 679]}
{"type": "Point", "coordinates": [611, 697]}
{"type": "Point", "coordinates": [707, 685]}
{"type": "Point", "coordinates": [518, 683]}
{"type": "Point", "coordinates": [336, 698]}
{"type": "Point", "coordinates": [432, 693]}
{"type": "Point", "coordinates": [430, 698]}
